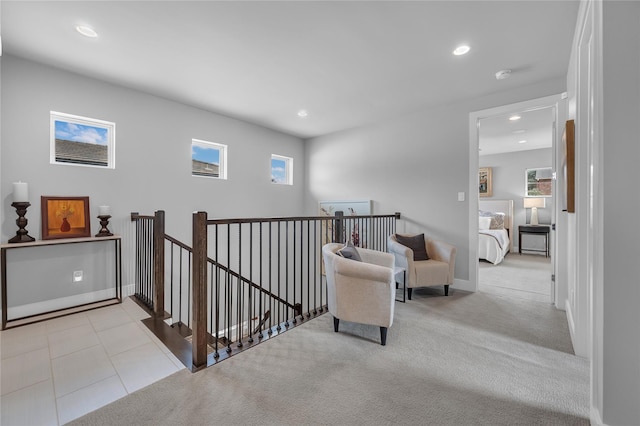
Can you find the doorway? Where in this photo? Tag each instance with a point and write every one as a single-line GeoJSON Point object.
{"type": "Point", "coordinates": [515, 149]}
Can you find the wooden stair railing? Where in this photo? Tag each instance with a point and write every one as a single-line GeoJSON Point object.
{"type": "Point", "coordinates": [244, 306]}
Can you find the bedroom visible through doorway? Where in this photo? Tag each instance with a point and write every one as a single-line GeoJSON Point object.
{"type": "Point", "coordinates": [511, 144]}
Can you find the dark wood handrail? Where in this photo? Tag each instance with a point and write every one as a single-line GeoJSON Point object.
{"type": "Point", "coordinates": [295, 218]}
{"type": "Point", "coordinates": [135, 216]}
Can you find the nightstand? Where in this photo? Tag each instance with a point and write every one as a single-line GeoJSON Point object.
{"type": "Point", "coordinates": [535, 230]}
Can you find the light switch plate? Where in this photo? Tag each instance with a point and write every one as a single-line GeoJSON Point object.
{"type": "Point", "coordinates": [460, 196]}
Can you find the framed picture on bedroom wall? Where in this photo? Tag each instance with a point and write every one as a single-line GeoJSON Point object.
{"type": "Point", "coordinates": [485, 185]}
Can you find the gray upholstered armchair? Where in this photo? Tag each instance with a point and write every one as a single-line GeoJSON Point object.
{"type": "Point", "coordinates": [360, 291]}
{"type": "Point", "coordinates": [436, 270]}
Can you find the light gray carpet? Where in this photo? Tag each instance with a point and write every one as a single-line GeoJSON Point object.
{"type": "Point", "coordinates": [526, 276]}
{"type": "Point", "coordinates": [470, 358]}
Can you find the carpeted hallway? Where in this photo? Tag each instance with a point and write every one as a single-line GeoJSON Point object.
{"type": "Point", "coordinates": [470, 358]}
{"type": "Point", "coordinates": [523, 276]}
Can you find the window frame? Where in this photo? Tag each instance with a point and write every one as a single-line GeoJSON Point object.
{"type": "Point", "coordinates": [109, 126]}
{"type": "Point", "coordinates": [288, 169]}
{"type": "Point", "coordinates": [222, 158]}
{"type": "Point", "coordinates": [526, 182]}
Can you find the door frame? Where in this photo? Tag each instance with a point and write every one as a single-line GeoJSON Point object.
{"type": "Point", "coordinates": [556, 102]}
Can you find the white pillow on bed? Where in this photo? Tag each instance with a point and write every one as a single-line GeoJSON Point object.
{"type": "Point", "coordinates": [484, 223]}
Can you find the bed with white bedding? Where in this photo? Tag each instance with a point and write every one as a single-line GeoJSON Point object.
{"type": "Point", "coordinates": [495, 229]}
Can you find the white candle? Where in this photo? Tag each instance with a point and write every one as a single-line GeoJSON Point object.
{"type": "Point", "coordinates": [103, 211]}
{"type": "Point", "coordinates": [20, 192]}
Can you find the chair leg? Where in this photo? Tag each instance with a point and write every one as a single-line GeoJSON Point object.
{"type": "Point", "coordinates": [409, 290]}
{"type": "Point", "coordinates": [446, 290]}
{"type": "Point", "coordinates": [336, 321]}
{"type": "Point", "coordinates": [383, 335]}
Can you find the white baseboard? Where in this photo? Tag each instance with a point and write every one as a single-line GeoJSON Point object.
{"type": "Point", "coordinates": [595, 418]}
{"type": "Point", "coordinates": [463, 285]}
{"type": "Point", "coordinates": [567, 308]}
{"type": "Point", "coordinates": [59, 303]}
{"type": "Point", "coordinates": [128, 290]}
{"type": "Point", "coordinates": [66, 302]}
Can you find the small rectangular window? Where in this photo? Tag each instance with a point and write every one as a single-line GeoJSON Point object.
{"type": "Point", "coordinates": [539, 182]}
{"type": "Point", "coordinates": [281, 170]}
{"type": "Point", "coordinates": [208, 159]}
{"type": "Point", "coordinates": [82, 141]}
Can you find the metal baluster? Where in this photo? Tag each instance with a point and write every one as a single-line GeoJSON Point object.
{"type": "Point", "coordinates": [189, 291]}
{"type": "Point", "coordinates": [240, 292]}
{"type": "Point", "coordinates": [308, 251]}
{"type": "Point", "coordinates": [261, 286]}
{"type": "Point", "coordinates": [171, 282]}
{"type": "Point", "coordinates": [270, 277]}
{"type": "Point", "coordinates": [250, 287]}
{"type": "Point", "coordinates": [294, 270]}
{"type": "Point", "coordinates": [180, 288]}
{"type": "Point", "coordinates": [229, 286]}
{"type": "Point", "coordinates": [280, 307]}
{"type": "Point", "coordinates": [216, 354]}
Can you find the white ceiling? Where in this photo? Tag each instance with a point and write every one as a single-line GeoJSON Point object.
{"type": "Point", "coordinates": [347, 63]}
{"type": "Point", "coordinates": [500, 135]}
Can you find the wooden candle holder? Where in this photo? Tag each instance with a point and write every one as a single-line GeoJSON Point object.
{"type": "Point", "coordinates": [104, 231]}
{"type": "Point", "coordinates": [22, 235]}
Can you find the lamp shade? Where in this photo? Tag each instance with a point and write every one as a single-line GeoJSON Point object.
{"type": "Point", "coordinates": [534, 202]}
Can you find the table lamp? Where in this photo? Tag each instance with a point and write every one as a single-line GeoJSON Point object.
{"type": "Point", "coordinates": [533, 204]}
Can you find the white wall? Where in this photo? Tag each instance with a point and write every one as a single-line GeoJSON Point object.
{"type": "Point", "coordinates": [415, 164]}
{"type": "Point", "coordinates": [621, 269]}
{"type": "Point", "coordinates": [601, 243]}
{"type": "Point", "coordinates": [508, 174]}
{"type": "Point", "coordinates": [153, 155]}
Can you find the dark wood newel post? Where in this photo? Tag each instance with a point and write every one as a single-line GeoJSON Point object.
{"type": "Point", "coordinates": [338, 229]}
{"type": "Point", "coordinates": [158, 264]}
{"type": "Point", "coordinates": [199, 293]}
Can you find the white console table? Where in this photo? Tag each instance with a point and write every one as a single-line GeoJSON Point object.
{"type": "Point", "coordinates": [14, 322]}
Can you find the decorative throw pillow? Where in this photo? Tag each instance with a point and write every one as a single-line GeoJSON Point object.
{"type": "Point", "coordinates": [416, 244]}
{"type": "Point", "coordinates": [497, 218]}
{"type": "Point", "coordinates": [484, 223]}
{"type": "Point", "coordinates": [349, 252]}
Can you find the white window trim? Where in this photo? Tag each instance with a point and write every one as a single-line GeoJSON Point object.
{"type": "Point", "coordinates": [222, 166]}
{"type": "Point", "coordinates": [87, 121]}
{"type": "Point", "coordinates": [526, 182]}
{"type": "Point", "coordinates": [288, 169]}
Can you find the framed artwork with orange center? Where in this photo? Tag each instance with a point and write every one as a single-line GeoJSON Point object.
{"type": "Point", "coordinates": [65, 217]}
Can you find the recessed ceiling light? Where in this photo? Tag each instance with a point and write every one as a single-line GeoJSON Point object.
{"type": "Point", "coordinates": [461, 50]}
{"type": "Point", "coordinates": [514, 118]}
{"type": "Point", "coordinates": [303, 113]}
{"type": "Point", "coordinates": [522, 141]}
{"type": "Point", "coordinates": [502, 74]}
{"type": "Point", "coordinates": [519, 131]}
{"type": "Point", "coordinates": [86, 31]}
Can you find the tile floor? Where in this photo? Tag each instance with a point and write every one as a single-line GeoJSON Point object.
{"type": "Point", "coordinates": [58, 370]}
